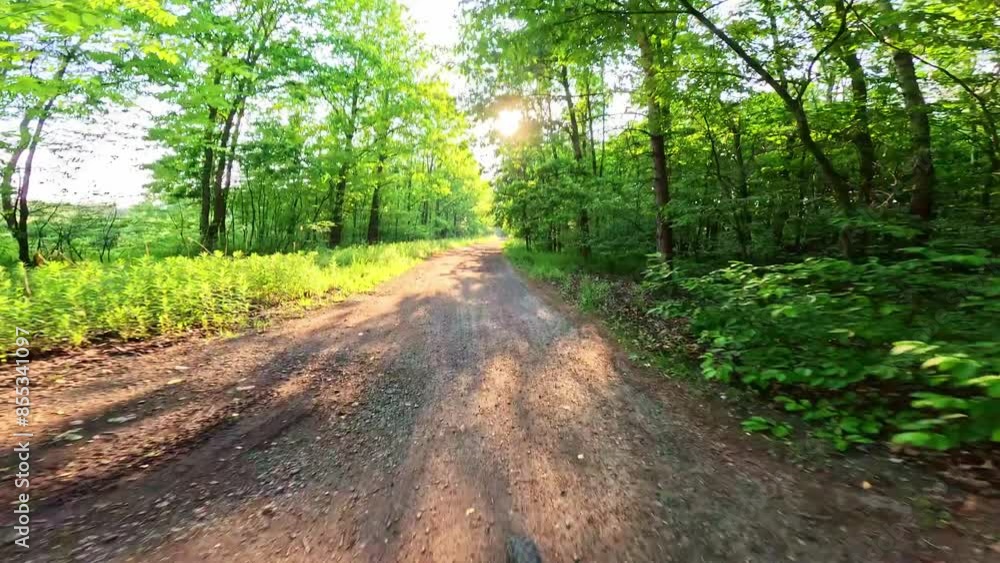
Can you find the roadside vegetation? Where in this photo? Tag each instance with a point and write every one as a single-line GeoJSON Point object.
{"type": "Point", "coordinates": [74, 304]}
{"type": "Point", "coordinates": [841, 344]}
{"type": "Point", "coordinates": [808, 190]}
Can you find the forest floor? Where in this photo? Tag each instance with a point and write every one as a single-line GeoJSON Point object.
{"type": "Point", "coordinates": [454, 407]}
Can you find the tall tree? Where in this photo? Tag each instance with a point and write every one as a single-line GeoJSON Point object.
{"type": "Point", "coordinates": [68, 64]}
{"type": "Point", "coordinates": [918, 113]}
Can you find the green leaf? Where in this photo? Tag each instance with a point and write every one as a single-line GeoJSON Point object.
{"type": "Point", "coordinates": [990, 382]}
{"type": "Point", "coordinates": [940, 402]}
{"type": "Point", "coordinates": [923, 440]}
{"type": "Point", "coordinates": [781, 431]}
{"type": "Point", "coordinates": [907, 346]}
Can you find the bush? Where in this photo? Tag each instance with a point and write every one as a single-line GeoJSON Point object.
{"type": "Point", "coordinates": [552, 267]}
{"type": "Point", "coordinates": [593, 293]}
{"type": "Point", "coordinates": [860, 348]}
{"type": "Point", "coordinates": [71, 304]}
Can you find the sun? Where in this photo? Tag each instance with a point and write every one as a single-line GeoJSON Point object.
{"type": "Point", "coordinates": [508, 122]}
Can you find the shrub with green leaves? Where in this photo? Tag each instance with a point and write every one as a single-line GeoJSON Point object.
{"type": "Point", "coordinates": [593, 293]}
{"type": "Point", "coordinates": [72, 304]}
{"type": "Point", "coordinates": [860, 348]}
{"type": "Point", "coordinates": [553, 267]}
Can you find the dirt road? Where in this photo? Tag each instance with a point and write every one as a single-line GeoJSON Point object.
{"type": "Point", "coordinates": [430, 421]}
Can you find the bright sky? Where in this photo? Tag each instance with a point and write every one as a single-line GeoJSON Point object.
{"type": "Point", "coordinates": [436, 19]}
{"type": "Point", "coordinates": [102, 161]}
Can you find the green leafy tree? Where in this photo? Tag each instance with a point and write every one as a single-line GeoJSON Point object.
{"type": "Point", "coordinates": [65, 57]}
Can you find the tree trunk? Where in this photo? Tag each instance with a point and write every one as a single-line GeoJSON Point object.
{"type": "Point", "coordinates": [375, 215]}
{"type": "Point", "coordinates": [218, 199]}
{"type": "Point", "coordinates": [922, 199]}
{"type": "Point", "coordinates": [15, 208]}
{"type": "Point", "coordinates": [223, 194]}
{"type": "Point", "coordinates": [661, 189]}
{"type": "Point", "coordinates": [24, 139]}
{"type": "Point", "coordinates": [232, 148]}
{"type": "Point", "coordinates": [205, 180]}
{"type": "Point", "coordinates": [574, 127]}
{"type": "Point", "coordinates": [992, 182]}
{"type": "Point", "coordinates": [657, 145]}
{"type": "Point", "coordinates": [743, 191]}
{"type": "Point", "coordinates": [10, 202]}
{"type": "Point", "coordinates": [862, 136]}
{"type": "Point", "coordinates": [583, 220]}
{"type": "Point", "coordinates": [336, 233]}
{"type": "Point", "coordinates": [590, 128]}
{"type": "Point", "coordinates": [21, 234]}
{"type": "Point", "coordinates": [337, 216]}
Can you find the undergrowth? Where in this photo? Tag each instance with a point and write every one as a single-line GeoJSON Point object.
{"type": "Point", "coordinates": [73, 304]}
{"type": "Point", "coordinates": [863, 351]}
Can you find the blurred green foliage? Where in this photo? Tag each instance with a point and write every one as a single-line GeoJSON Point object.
{"type": "Point", "coordinates": [901, 347]}
{"type": "Point", "coordinates": [72, 304]}
{"type": "Point", "coordinates": [861, 349]}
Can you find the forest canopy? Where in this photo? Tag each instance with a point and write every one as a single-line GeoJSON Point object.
{"type": "Point", "coordinates": [283, 125]}
{"type": "Point", "coordinates": [764, 127]}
